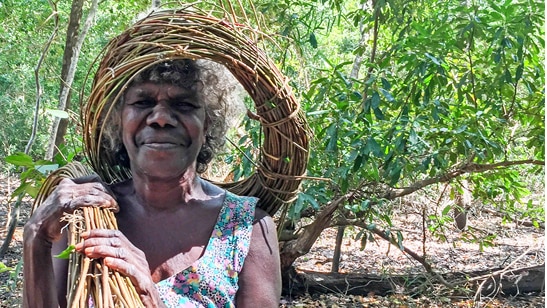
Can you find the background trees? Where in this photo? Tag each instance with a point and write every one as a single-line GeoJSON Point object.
{"type": "Point", "coordinates": [404, 98]}
{"type": "Point", "coordinates": [444, 93]}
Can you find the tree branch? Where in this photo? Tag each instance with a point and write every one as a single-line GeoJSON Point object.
{"type": "Point", "coordinates": [376, 13]}
{"type": "Point", "coordinates": [394, 193]}
{"type": "Point", "coordinates": [303, 243]}
{"type": "Point", "coordinates": [70, 62]}
{"type": "Point", "coordinates": [37, 78]}
{"type": "Point", "coordinates": [383, 234]}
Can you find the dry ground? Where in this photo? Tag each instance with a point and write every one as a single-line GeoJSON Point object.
{"type": "Point", "coordinates": [525, 245]}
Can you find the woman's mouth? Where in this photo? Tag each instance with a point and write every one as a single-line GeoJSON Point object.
{"type": "Point", "coordinates": [161, 145]}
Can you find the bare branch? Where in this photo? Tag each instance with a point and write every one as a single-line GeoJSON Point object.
{"type": "Point", "coordinates": [376, 14]}
{"type": "Point", "coordinates": [384, 235]}
{"type": "Point", "coordinates": [55, 15]}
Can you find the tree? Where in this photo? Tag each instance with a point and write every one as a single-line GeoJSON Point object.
{"type": "Point", "coordinates": [447, 91]}
{"type": "Point", "coordinates": [74, 40]}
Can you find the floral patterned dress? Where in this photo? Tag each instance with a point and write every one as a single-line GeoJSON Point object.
{"type": "Point", "coordinates": [212, 281]}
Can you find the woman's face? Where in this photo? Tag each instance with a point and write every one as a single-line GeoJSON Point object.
{"type": "Point", "coordinates": [163, 129]}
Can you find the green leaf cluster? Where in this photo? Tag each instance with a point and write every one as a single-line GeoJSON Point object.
{"type": "Point", "coordinates": [446, 85]}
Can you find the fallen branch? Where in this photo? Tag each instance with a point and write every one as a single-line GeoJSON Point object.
{"type": "Point", "coordinates": [523, 280]}
{"type": "Point", "coordinates": [383, 234]}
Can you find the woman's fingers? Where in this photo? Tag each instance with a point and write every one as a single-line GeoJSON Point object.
{"type": "Point", "coordinates": [72, 195]}
{"type": "Point", "coordinates": [102, 243]}
{"type": "Point", "coordinates": [65, 198]}
{"type": "Point", "coordinates": [118, 253]}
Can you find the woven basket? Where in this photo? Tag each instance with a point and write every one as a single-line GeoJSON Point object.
{"type": "Point", "coordinates": [187, 34]}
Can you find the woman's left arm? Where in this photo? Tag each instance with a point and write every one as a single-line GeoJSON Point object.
{"type": "Point", "coordinates": [260, 277]}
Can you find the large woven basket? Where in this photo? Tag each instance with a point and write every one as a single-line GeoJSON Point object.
{"type": "Point", "coordinates": [188, 33]}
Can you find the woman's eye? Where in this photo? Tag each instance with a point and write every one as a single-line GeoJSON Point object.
{"type": "Point", "coordinates": [143, 103]}
{"type": "Point", "coordinates": [185, 106]}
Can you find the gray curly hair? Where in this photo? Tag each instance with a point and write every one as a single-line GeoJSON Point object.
{"type": "Point", "coordinates": [201, 75]}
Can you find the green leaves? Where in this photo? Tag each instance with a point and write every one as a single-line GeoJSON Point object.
{"type": "Point", "coordinates": [4, 268]}
{"type": "Point", "coordinates": [20, 159]}
{"type": "Point", "coordinates": [65, 254]}
{"type": "Point", "coordinates": [313, 40]}
{"type": "Point", "coordinates": [32, 173]}
{"type": "Point", "coordinates": [448, 84]}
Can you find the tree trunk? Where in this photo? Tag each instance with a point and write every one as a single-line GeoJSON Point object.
{"type": "Point", "coordinates": [73, 45]}
{"type": "Point", "coordinates": [463, 200]}
{"type": "Point", "coordinates": [293, 249]}
{"type": "Point", "coordinates": [338, 249]}
{"type": "Point", "coordinates": [359, 57]}
{"type": "Point", "coordinates": [523, 280]}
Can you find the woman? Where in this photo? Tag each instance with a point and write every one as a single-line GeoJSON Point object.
{"type": "Point", "coordinates": [182, 240]}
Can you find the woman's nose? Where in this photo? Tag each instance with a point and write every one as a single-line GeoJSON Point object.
{"type": "Point", "coordinates": [161, 115]}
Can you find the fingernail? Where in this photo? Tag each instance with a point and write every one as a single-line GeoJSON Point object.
{"type": "Point", "coordinates": [85, 234]}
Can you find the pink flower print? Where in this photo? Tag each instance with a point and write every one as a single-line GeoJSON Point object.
{"type": "Point", "coordinates": [193, 278]}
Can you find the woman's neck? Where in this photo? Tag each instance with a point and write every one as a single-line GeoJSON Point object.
{"type": "Point", "coordinates": [163, 194]}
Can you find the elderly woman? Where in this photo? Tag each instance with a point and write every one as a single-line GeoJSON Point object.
{"type": "Point", "coordinates": [183, 241]}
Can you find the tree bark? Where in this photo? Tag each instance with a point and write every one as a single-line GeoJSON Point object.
{"type": "Point", "coordinates": [74, 41]}
{"type": "Point", "coordinates": [514, 282]}
{"type": "Point", "coordinates": [300, 246]}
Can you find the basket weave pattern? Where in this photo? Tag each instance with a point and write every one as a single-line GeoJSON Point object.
{"type": "Point", "coordinates": [187, 35]}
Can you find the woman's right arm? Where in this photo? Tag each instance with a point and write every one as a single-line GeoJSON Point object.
{"type": "Point", "coordinates": [42, 237]}
{"type": "Point", "coordinates": [38, 287]}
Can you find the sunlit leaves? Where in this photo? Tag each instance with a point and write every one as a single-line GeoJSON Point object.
{"type": "Point", "coordinates": [449, 84]}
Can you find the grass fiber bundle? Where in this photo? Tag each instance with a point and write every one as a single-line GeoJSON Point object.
{"type": "Point", "coordinates": [89, 278]}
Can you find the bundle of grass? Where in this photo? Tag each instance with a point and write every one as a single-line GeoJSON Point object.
{"type": "Point", "coordinates": [89, 280]}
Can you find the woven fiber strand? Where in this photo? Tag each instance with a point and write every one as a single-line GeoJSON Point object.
{"type": "Point", "coordinates": [185, 34]}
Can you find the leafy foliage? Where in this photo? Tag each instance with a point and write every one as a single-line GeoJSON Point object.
{"type": "Point", "coordinates": [448, 86]}
{"type": "Point", "coordinates": [27, 26]}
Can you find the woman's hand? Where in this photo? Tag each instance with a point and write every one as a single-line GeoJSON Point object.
{"type": "Point", "coordinates": [122, 256]}
{"type": "Point", "coordinates": [65, 198]}
{"type": "Point", "coordinates": [44, 228]}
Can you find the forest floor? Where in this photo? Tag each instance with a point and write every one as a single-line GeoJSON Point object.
{"type": "Point", "coordinates": [523, 246]}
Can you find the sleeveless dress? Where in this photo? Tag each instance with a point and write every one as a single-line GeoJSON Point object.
{"type": "Point", "coordinates": [212, 280]}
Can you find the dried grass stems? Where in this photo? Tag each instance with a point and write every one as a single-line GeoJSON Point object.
{"type": "Point", "coordinates": [182, 34]}
{"type": "Point", "coordinates": [89, 279]}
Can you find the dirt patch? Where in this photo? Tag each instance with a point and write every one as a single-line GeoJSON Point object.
{"type": "Point", "coordinates": [513, 246]}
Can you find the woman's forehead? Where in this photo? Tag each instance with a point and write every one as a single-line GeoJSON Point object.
{"type": "Point", "coordinates": [154, 89]}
